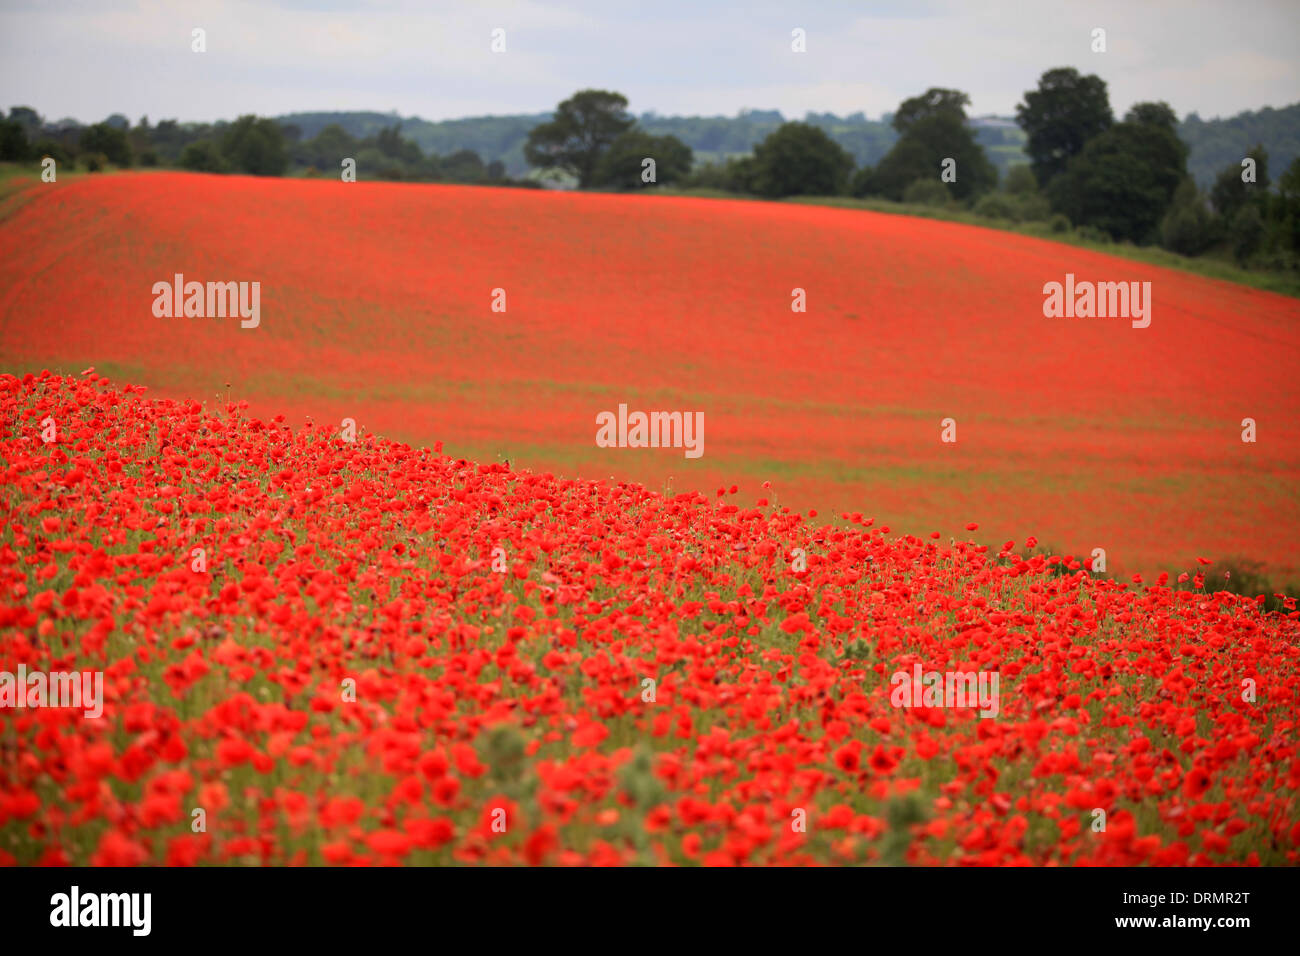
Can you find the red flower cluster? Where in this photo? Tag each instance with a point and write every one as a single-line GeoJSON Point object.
{"type": "Point", "coordinates": [311, 655]}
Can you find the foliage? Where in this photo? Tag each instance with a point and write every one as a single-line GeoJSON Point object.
{"type": "Point", "coordinates": [204, 156]}
{"type": "Point", "coordinates": [800, 160]}
{"type": "Point", "coordinates": [255, 146]}
{"type": "Point", "coordinates": [1188, 227]}
{"type": "Point", "coordinates": [584, 127]}
{"type": "Point", "coordinates": [1123, 180]}
{"type": "Point", "coordinates": [621, 166]}
{"type": "Point", "coordinates": [927, 192]}
{"type": "Point", "coordinates": [1060, 117]}
{"type": "Point", "coordinates": [109, 140]}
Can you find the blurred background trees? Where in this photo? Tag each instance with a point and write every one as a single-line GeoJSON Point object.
{"type": "Point", "coordinates": [1196, 187]}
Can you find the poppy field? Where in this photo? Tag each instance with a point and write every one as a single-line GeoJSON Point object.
{"type": "Point", "coordinates": [377, 305]}
{"type": "Point", "coordinates": [322, 651]}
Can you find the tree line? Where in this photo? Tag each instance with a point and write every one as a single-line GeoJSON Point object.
{"type": "Point", "coordinates": [252, 145]}
{"type": "Point", "coordinates": [1106, 179]}
{"type": "Point", "coordinates": [1120, 180]}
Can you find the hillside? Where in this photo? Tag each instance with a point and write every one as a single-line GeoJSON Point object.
{"type": "Point", "coordinates": [376, 305]}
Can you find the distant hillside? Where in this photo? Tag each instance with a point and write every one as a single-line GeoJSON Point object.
{"type": "Point", "coordinates": [1218, 143]}
{"type": "Point", "coordinates": [492, 137]}
{"type": "Point", "coordinates": [1214, 143]}
{"type": "Point", "coordinates": [712, 138]}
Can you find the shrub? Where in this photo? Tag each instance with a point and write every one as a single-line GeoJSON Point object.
{"type": "Point", "coordinates": [1034, 207]}
{"type": "Point", "coordinates": [202, 156]}
{"type": "Point", "coordinates": [1059, 223]}
{"type": "Point", "coordinates": [1020, 181]}
{"type": "Point", "coordinates": [927, 192]}
{"type": "Point", "coordinates": [998, 206]}
{"type": "Point", "coordinates": [1093, 234]}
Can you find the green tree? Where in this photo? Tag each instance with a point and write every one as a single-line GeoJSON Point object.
{"type": "Point", "coordinates": [255, 146]}
{"type": "Point", "coordinates": [863, 182]}
{"type": "Point", "coordinates": [13, 141]}
{"type": "Point", "coordinates": [111, 141]}
{"type": "Point", "coordinates": [327, 149]}
{"type": "Point", "coordinates": [391, 143]}
{"type": "Point", "coordinates": [1188, 228]}
{"type": "Point", "coordinates": [906, 162]}
{"type": "Point", "coordinates": [584, 127]}
{"type": "Point", "coordinates": [922, 152]}
{"type": "Point", "coordinates": [735, 175]}
{"type": "Point", "coordinates": [935, 101]}
{"type": "Point", "coordinates": [1124, 180]}
{"type": "Point", "coordinates": [621, 165]}
{"type": "Point", "coordinates": [463, 166]}
{"type": "Point", "coordinates": [1063, 114]}
{"type": "Point", "coordinates": [1154, 114]}
{"type": "Point", "coordinates": [1230, 192]}
{"type": "Point", "coordinates": [1245, 232]}
{"type": "Point", "coordinates": [28, 119]}
{"type": "Point", "coordinates": [203, 156]}
{"type": "Point", "coordinates": [1287, 207]}
{"type": "Point", "coordinates": [800, 160]}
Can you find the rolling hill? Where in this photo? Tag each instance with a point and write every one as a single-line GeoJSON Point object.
{"type": "Point", "coordinates": [377, 305]}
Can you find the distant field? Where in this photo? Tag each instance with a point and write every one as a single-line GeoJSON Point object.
{"type": "Point", "coordinates": [375, 305]}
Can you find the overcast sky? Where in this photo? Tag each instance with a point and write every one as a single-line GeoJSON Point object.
{"type": "Point", "coordinates": [90, 58]}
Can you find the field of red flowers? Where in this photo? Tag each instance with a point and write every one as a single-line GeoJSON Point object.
{"type": "Point", "coordinates": [350, 671]}
{"type": "Point", "coordinates": [376, 305]}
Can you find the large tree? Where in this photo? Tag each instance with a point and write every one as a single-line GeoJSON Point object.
{"type": "Point", "coordinates": [933, 128]}
{"type": "Point", "coordinates": [1060, 117]}
{"type": "Point", "coordinates": [1124, 180]}
{"type": "Point", "coordinates": [800, 160]}
{"type": "Point", "coordinates": [109, 140]}
{"type": "Point", "coordinates": [921, 152]}
{"type": "Point", "coordinates": [585, 125]}
{"type": "Point", "coordinates": [256, 146]}
{"type": "Point", "coordinates": [1230, 192]}
{"type": "Point", "coordinates": [936, 101]}
{"type": "Point", "coordinates": [622, 165]}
